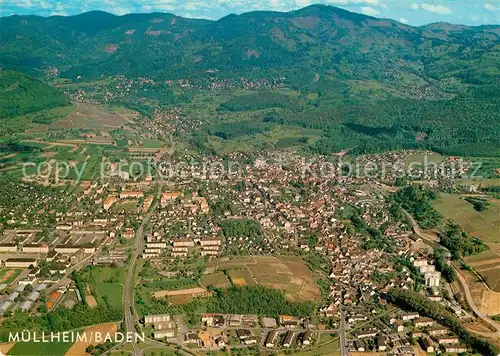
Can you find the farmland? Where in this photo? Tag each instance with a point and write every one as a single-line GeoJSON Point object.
{"type": "Point", "coordinates": [78, 348]}
{"type": "Point", "coordinates": [287, 273]}
{"type": "Point", "coordinates": [37, 348]}
{"type": "Point", "coordinates": [218, 280]}
{"type": "Point", "coordinates": [484, 225]}
{"type": "Point", "coordinates": [487, 264]}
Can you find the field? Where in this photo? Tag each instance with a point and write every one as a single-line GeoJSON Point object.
{"type": "Point", "coordinates": [288, 273]}
{"type": "Point", "coordinates": [218, 280]}
{"type": "Point", "coordinates": [7, 276]}
{"type": "Point", "coordinates": [107, 284]}
{"type": "Point", "coordinates": [484, 225]}
{"type": "Point", "coordinates": [487, 264]}
{"type": "Point", "coordinates": [182, 296]}
{"type": "Point", "coordinates": [5, 347]}
{"type": "Point", "coordinates": [78, 348]}
{"type": "Point", "coordinates": [37, 348]}
{"type": "Point", "coordinates": [327, 345]}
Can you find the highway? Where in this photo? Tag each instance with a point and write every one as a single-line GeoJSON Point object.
{"type": "Point", "coordinates": [129, 283]}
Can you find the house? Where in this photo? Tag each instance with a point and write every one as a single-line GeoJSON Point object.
{"type": "Point", "coordinates": [164, 325]}
{"type": "Point", "coordinates": [268, 323]}
{"type": "Point", "coordinates": [251, 340]}
{"type": "Point", "coordinates": [243, 333]}
{"type": "Point", "coordinates": [34, 272]}
{"type": "Point", "coordinates": [399, 327]}
{"type": "Point", "coordinates": [306, 338]}
{"type": "Point", "coordinates": [235, 320]}
{"type": "Point", "coordinates": [438, 331]}
{"type": "Point", "coordinates": [150, 319]}
{"type": "Point", "coordinates": [158, 335]}
{"type": "Point", "coordinates": [288, 340]}
{"type": "Point", "coordinates": [455, 349]}
{"type": "Point", "coordinates": [78, 256]}
{"type": "Point", "coordinates": [51, 256]}
{"type": "Point", "coordinates": [381, 343]}
{"type": "Point", "coordinates": [271, 339]}
{"type": "Point", "coordinates": [128, 233]}
{"type": "Point", "coordinates": [427, 345]}
{"type": "Point", "coordinates": [168, 196]}
{"type": "Point", "coordinates": [424, 322]}
{"type": "Point", "coordinates": [410, 316]}
{"type": "Point", "coordinates": [183, 243]}
{"type": "Point", "coordinates": [360, 345]}
{"type": "Point", "coordinates": [20, 263]}
{"type": "Point", "coordinates": [128, 194]}
{"type": "Point", "coordinates": [446, 340]}
{"type": "Point", "coordinates": [110, 200]}
{"type": "Point", "coordinates": [192, 338]}
{"type": "Point", "coordinates": [367, 334]}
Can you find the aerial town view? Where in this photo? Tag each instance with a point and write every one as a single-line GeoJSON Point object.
{"type": "Point", "coordinates": [249, 178]}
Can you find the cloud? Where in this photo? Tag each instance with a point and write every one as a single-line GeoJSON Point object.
{"type": "Point", "coordinates": [438, 9]}
{"type": "Point", "coordinates": [414, 6]}
{"type": "Point", "coordinates": [403, 20]}
{"type": "Point", "coordinates": [475, 17]}
{"type": "Point", "coordinates": [370, 11]}
{"type": "Point", "coordinates": [491, 7]}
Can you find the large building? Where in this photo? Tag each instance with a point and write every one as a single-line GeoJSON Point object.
{"type": "Point", "coordinates": [35, 248]}
{"type": "Point", "coordinates": [20, 262]}
{"type": "Point", "coordinates": [8, 247]}
{"type": "Point", "coordinates": [128, 194]}
{"type": "Point", "coordinates": [161, 318]}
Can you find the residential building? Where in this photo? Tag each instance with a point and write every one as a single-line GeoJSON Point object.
{"type": "Point", "coordinates": [20, 262]}
{"type": "Point", "coordinates": [150, 319]}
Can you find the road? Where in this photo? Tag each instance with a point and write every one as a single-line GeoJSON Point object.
{"type": "Point", "coordinates": [129, 283]}
{"type": "Point", "coordinates": [472, 304]}
{"type": "Point", "coordinates": [343, 342]}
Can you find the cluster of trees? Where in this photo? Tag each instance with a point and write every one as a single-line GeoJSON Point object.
{"type": "Point", "coordinates": [460, 243]}
{"type": "Point", "coordinates": [410, 300]}
{"type": "Point", "coordinates": [256, 300]}
{"type": "Point", "coordinates": [233, 130]}
{"type": "Point", "coordinates": [21, 95]}
{"type": "Point", "coordinates": [416, 200]}
{"type": "Point", "coordinates": [478, 203]}
{"type": "Point", "coordinates": [258, 101]}
{"type": "Point", "coordinates": [60, 319]}
{"type": "Point", "coordinates": [446, 270]}
{"type": "Point", "coordinates": [240, 227]}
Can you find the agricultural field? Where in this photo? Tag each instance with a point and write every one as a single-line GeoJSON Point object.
{"type": "Point", "coordinates": [182, 296]}
{"type": "Point", "coordinates": [288, 273]}
{"type": "Point", "coordinates": [484, 225]}
{"type": "Point", "coordinates": [487, 264]}
{"type": "Point", "coordinates": [218, 280]}
{"type": "Point", "coordinates": [78, 348]}
{"type": "Point", "coordinates": [42, 349]}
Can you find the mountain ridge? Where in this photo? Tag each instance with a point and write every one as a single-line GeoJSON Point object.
{"type": "Point", "coordinates": [322, 38]}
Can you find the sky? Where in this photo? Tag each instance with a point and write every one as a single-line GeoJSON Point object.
{"type": "Point", "coordinates": [413, 12]}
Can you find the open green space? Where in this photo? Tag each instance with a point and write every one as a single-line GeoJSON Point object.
{"type": "Point", "coordinates": [38, 348]}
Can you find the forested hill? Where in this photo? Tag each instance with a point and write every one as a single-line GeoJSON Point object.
{"type": "Point", "coordinates": [21, 95]}
{"type": "Point", "coordinates": [318, 38]}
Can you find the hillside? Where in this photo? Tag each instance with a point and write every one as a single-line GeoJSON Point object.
{"type": "Point", "coordinates": [20, 95]}
{"type": "Point", "coordinates": [318, 38]}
